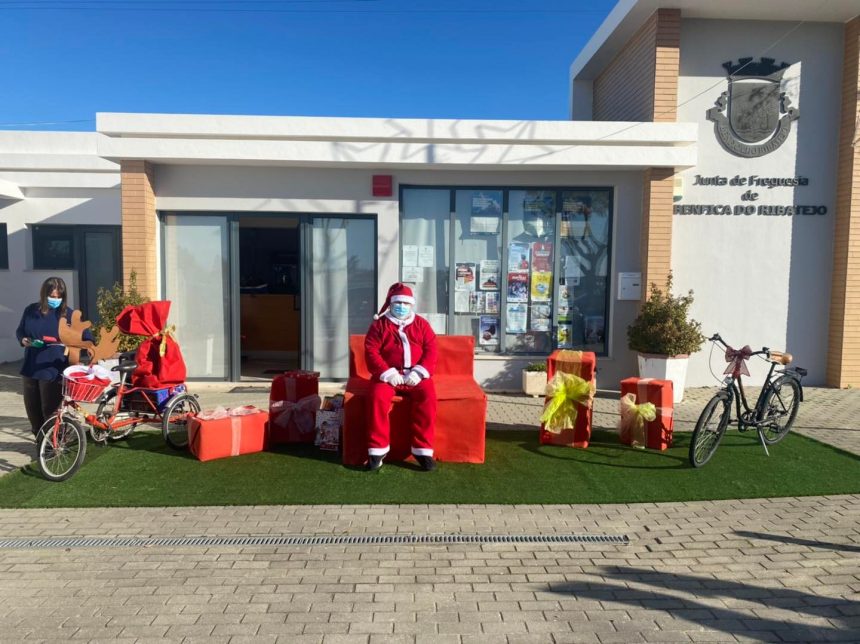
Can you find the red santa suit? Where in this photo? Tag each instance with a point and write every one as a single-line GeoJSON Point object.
{"type": "Point", "coordinates": [392, 347]}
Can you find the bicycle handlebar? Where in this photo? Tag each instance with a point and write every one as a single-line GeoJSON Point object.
{"type": "Point", "coordinates": [765, 351]}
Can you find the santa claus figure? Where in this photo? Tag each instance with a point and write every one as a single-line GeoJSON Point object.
{"type": "Point", "coordinates": [400, 349]}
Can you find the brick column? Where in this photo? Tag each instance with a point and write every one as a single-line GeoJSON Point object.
{"type": "Point", "coordinates": [667, 65]}
{"type": "Point", "coordinates": [655, 247]}
{"type": "Point", "coordinates": [843, 356]}
{"type": "Point", "coordinates": [139, 226]}
{"type": "Point", "coordinates": [658, 183]}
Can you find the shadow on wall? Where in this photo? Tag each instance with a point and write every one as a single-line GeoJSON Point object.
{"type": "Point", "coordinates": [811, 260]}
{"type": "Point", "coordinates": [507, 378]}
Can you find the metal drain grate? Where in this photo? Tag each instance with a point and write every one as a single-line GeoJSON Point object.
{"type": "Point", "coordinates": [299, 540]}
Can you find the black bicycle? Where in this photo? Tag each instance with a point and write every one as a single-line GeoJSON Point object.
{"type": "Point", "coordinates": [774, 411]}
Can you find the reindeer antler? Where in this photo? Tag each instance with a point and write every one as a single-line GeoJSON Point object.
{"type": "Point", "coordinates": [72, 335]}
{"type": "Point", "coordinates": [108, 344]}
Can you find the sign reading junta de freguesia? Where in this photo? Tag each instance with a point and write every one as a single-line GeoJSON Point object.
{"type": "Point", "coordinates": [754, 183]}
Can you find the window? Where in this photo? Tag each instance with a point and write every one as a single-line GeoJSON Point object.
{"type": "Point", "coordinates": [524, 271]}
{"type": "Point", "coordinates": [53, 247]}
{"type": "Point", "coordinates": [4, 247]}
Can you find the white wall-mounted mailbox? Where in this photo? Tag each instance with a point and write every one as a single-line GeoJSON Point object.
{"type": "Point", "coordinates": [629, 286]}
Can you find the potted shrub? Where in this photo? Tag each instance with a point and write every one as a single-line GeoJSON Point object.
{"type": "Point", "coordinates": [664, 336]}
{"type": "Point", "coordinates": [110, 303]}
{"type": "Point", "coordinates": [534, 379]}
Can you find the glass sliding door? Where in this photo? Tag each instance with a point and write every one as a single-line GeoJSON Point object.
{"type": "Point", "coordinates": [197, 282]}
{"type": "Point", "coordinates": [341, 285]}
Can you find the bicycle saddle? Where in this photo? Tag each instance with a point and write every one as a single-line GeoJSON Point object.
{"type": "Point", "coordinates": [125, 367]}
{"type": "Point", "coordinates": [125, 356]}
{"type": "Point", "coordinates": [781, 358]}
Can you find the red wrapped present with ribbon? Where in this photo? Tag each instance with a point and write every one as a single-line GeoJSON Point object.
{"type": "Point", "coordinates": [159, 361]}
{"type": "Point", "coordinates": [566, 418]}
{"type": "Point", "coordinates": [646, 413]}
{"type": "Point", "coordinates": [221, 432]}
{"type": "Point", "coordinates": [293, 404]}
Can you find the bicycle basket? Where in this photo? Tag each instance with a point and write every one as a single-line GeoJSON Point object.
{"type": "Point", "coordinates": [80, 387]}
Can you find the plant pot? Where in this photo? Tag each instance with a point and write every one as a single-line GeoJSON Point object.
{"type": "Point", "coordinates": [534, 383]}
{"type": "Point", "coordinates": [672, 368]}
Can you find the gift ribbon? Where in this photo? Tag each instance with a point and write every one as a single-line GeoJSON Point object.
{"type": "Point", "coordinates": [569, 361]}
{"type": "Point", "coordinates": [166, 332]}
{"type": "Point", "coordinates": [565, 393]}
{"type": "Point", "coordinates": [737, 359]}
{"type": "Point", "coordinates": [634, 417]}
{"type": "Point", "coordinates": [236, 437]}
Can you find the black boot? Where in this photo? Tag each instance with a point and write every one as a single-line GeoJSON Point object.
{"type": "Point", "coordinates": [426, 462]}
{"type": "Point", "coordinates": [374, 462]}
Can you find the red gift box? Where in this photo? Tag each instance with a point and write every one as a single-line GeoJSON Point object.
{"type": "Point", "coordinates": [293, 403]}
{"type": "Point", "coordinates": [658, 432]}
{"type": "Point", "coordinates": [229, 432]}
{"type": "Point", "coordinates": [584, 365]}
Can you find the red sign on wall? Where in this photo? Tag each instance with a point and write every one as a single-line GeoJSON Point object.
{"type": "Point", "coordinates": [383, 185]}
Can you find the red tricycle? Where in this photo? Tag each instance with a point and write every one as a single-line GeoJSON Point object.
{"type": "Point", "coordinates": [62, 442]}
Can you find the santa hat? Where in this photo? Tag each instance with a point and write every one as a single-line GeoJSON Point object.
{"type": "Point", "coordinates": [398, 292]}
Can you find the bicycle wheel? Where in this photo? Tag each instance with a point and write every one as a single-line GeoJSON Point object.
{"type": "Point", "coordinates": [59, 461]}
{"type": "Point", "coordinates": [709, 430]}
{"type": "Point", "coordinates": [174, 423]}
{"type": "Point", "coordinates": [104, 411]}
{"type": "Point", "coordinates": [779, 409]}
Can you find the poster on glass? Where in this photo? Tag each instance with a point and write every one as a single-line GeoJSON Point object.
{"type": "Point", "coordinates": [489, 275]}
{"type": "Point", "coordinates": [538, 212]}
{"type": "Point", "coordinates": [516, 316]}
{"type": "Point", "coordinates": [563, 336]}
{"type": "Point", "coordinates": [594, 332]}
{"type": "Point", "coordinates": [541, 287]}
{"type": "Point", "coordinates": [519, 254]}
{"type": "Point", "coordinates": [542, 256]}
{"type": "Point", "coordinates": [575, 213]}
{"type": "Point", "coordinates": [489, 331]}
{"type": "Point", "coordinates": [541, 317]}
{"type": "Point", "coordinates": [486, 211]}
{"type": "Point", "coordinates": [476, 302]}
{"type": "Point", "coordinates": [465, 276]}
{"type": "Point", "coordinates": [491, 302]}
{"type": "Point", "coordinates": [518, 287]}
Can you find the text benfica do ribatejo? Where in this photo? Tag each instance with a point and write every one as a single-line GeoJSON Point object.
{"type": "Point", "coordinates": [750, 182]}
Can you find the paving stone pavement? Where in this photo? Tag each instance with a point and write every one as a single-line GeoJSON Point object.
{"type": "Point", "coordinates": [726, 571]}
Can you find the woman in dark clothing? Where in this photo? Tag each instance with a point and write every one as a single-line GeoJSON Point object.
{"type": "Point", "coordinates": [44, 357]}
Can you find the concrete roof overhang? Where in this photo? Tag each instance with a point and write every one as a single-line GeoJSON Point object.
{"type": "Point", "coordinates": [10, 191]}
{"type": "Point", "coordinates": [629, 15]}
{"type": "Point", "coordinates": [52, 160]}
{"type": "Point", "coordinates": [430, 144]}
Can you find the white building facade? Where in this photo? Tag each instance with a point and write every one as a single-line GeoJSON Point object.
{"type": "Point", "coordinates": [276, 237]}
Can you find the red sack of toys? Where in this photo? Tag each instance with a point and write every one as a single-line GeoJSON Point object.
{"type": "Point", "coordinates": [159, 361]}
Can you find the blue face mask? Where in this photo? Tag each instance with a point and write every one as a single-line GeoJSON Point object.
{"type": "Point", "coordinates": [54, 302]}
{"type": "Point", "coordinates": [400, 310]}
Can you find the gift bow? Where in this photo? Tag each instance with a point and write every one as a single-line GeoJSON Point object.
{"type": "Point", "coordinates": [737, 359]}
{"type": "Point", "coordinates": [634, 417]}
{"type": "Point", "coordinates": [566, 392]}
{"type": "Point", "coordinates": [166, 332]}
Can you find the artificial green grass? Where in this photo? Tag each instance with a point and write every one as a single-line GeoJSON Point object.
{"type": "Point", "coordinates": [144, 472]}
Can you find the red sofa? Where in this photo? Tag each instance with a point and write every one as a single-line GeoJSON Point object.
{"type": "Point", "coordinates": [461, 413]}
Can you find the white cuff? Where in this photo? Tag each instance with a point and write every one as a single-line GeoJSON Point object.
{"type": "Point", "coordinates": [378, 451]}
{"type": "Point", "coordinates": [385, 375]}
{"type": "Point", "coordinates": [422, 451]}
{"type": "Point", "coordinates": [424, 373]}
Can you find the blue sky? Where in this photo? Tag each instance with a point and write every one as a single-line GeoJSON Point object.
{"type": "Point", "coordinates": [66, 60]}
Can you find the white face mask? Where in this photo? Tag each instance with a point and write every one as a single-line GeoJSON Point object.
{"type": "Point", "coordinates": [401, 310]}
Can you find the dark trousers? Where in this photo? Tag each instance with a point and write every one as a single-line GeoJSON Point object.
{"type": "Point", "coordinates": [41, 400]}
